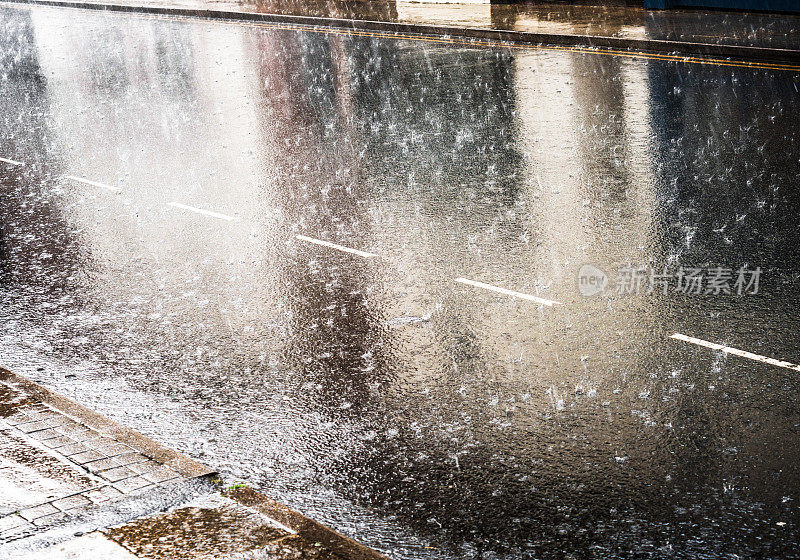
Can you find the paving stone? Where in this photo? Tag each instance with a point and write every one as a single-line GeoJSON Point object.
{"type": "Point", "coordinates": [37, 407]}
{"type": "Point", "coordinates": [39, 425]}
{"type": "Point", "coordinates": [108, 446]}
{"type": "Point", "coordinates": [72, 502]}
{"type": "Point", "coordinates": [38, 511]}
{"type": "Point", "coordinates": [99, 441]}
{"type": "Point", "coordinates": [102, 465]}
{"type": "Point", "coordinates": [118, 461]}
{"type": "Point", "coordinates": [46, 414]}
{"type": "Point", "coordinates": [48, 519]}
{"type": "Point", "coordinates": [145, 466]}
{"type": "Point", "coordinates": [117, 474]}
{"type": "Point", "coordinates": [161, 475]}
{"type": "Point", "coordinates": [130, 459]}
{"type": "Point", "coordinates": [141, 489]}
{"type": "Point", "coordinates": [16, 418]}
{"type": "Point", "coordinates": [45, 434]}
{"type": "Point", "coordinates": [71, 428]}
{"type": "Point", "coordinates": [87, 456]}
{"type": "Point", "coordinates": [103, 494]}
{"type": "Point", "coordinates": [73, 449]}
{"type": "Point", "coordinates": [34, 413]}
{"type": "Point", "coordinates": [12, 521]}
{"type": "Point", "coordinates": [17, 532]}
{"type": "Point", "coordinates": [128, 485]}
{"type": "Point", "coordinates": [41, 410]}
{"type": "Point", "coordinates": [78, 432]}
{"type": "Point", "coordinates": [58, 441]}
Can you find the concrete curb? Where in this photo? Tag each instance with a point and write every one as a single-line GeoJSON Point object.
{"type": "Point", "coordinates": [303, 526]}
{"type": "Point", "coordinates": [674, 48]}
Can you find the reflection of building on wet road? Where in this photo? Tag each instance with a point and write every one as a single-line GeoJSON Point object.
{"type": "Point", "coordinates": [379, 389]}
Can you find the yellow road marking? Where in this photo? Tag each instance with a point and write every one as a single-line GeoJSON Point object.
{"type": "Point", "coordinates": [468, 42]}
{"type": "Point", "coordinates": [465, 41]}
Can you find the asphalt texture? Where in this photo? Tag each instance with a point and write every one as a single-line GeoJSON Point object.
{"type": "Point", "coordinates": [279, 251]}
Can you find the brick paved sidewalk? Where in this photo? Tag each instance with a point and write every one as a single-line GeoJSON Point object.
{"type": "Point", "coordinates": [75, 485]}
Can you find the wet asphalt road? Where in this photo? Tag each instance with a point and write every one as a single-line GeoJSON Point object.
{"type": "Point", "coordinates": [151, 269]}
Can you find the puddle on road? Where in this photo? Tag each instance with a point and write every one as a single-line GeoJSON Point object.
{"type": "Point", "coordinates": [212, 527]}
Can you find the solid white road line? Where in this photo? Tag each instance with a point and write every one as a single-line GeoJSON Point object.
{"type": "Point", "coordinates": [736, 351]}
{"type": "Point", "coordinates": [335, 246]}
{"type": "Point", "coordinates": [508, 292]}
{"type": "Point", "coordinates": [201, 211]}
{"type": "Point", "coordinates": [92, 183]}
{"type": "Point", "coordinates": [11, 161]}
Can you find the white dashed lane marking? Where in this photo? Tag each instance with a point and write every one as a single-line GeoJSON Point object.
{"type": "Point", "coordinates": [11, 161]}
{"type": "Point", "coordinates": [92, 183]}
{"type": "Point", "coordinates": [735, 351]}
{"type": "Point", "coordinates": [201, 211]}
{"type": "Point", "coordinates": [511, 293]}
{"type": "Point", "coordinates": [335, 246]}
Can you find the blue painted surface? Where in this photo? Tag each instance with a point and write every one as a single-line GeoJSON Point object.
{"type": "Point", "coordinates": [764, 5]}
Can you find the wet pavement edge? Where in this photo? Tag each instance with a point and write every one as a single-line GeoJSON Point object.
{"type": "Point", "coordinates": [305, 527]}
{"type": "Point", "coordinates": [674, 48]}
